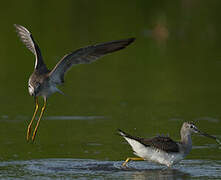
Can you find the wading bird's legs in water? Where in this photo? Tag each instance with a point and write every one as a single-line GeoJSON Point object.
{"type": "Point", "coordinates": [133, 159]}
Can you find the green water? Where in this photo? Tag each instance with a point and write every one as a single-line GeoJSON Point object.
{"type": "Point", "coordinates": [170, 74]}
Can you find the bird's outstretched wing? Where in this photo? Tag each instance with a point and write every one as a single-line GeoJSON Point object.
{"type": "Point", "coordinates": [160, 142]}
{"type": "Point", "coordinates": [84, 56]}
{"type": "Point", "coordinates": [27, 38]}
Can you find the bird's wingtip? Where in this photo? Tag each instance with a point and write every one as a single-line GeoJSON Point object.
{"type": "Point", "coordinates": [133, 39]}
{"type": "Point", "coordinates": [130, 40]}
{"type": "Point", "coordinates": [16, 25]}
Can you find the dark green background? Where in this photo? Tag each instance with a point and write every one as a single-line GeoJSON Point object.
{"type": "Point", "coordinates": [170, 74]}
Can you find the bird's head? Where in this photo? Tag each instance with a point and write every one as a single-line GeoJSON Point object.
{"type": "Point", "coordinates": [34, 89]}
{"type": "Point", "coordinates": [189, 128]}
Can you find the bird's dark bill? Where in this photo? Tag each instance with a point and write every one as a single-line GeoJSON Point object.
{"type": "Point", "coordinates": [210, 136]}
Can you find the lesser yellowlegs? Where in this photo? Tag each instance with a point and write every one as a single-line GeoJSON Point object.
{"type": "Point", "coordinates": [43, 82]}
{"type": "Point", "coordinates": [162, 149]}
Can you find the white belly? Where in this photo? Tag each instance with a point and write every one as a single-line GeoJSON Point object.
{"type": "Point", "coordinates": [153, 154]}
{"type": "Point", "coordinates": [159, 156]}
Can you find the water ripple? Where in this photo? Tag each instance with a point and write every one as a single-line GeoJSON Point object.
{"type": "Point", "coordinates": [75, 117]}
{"type": "Point", "coordinates": [93, 169]}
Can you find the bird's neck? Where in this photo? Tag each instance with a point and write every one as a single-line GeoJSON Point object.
{"type": "Point", "coordinates": [186, 142]}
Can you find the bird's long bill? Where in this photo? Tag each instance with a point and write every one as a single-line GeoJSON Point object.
{"type": "Point", "coordinates": [209, 136]}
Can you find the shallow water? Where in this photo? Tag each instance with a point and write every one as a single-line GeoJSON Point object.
{"type": "Point", "coordinates": [53, 159]}
{"type": "Point", "coordinates": [93, 169]}
{"type": "Point", "coordinates": [169, 75]}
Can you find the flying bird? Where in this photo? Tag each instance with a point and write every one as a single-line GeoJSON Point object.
{"type": "Point", "coordinates": [43, 82]}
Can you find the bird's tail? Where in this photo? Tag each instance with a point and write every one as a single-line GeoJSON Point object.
{"type": "Point", "coordinates": [135, 142]}
{"type": "Point", "coordinates": [124, 134]}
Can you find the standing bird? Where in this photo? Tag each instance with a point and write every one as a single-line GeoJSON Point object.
{"type": "Point", "coordinates": [43, 82]}
{"type": "Point", "coordinates": [162, 149]}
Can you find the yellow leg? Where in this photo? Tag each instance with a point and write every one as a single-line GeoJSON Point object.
{"type": "Point", "coordinates": [36, 127]}
{"type": "Point", "coordinates": [133, 159]}
{"type": "Point", "coordinates": [33, 117]}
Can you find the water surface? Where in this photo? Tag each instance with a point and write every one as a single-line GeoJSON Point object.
{"type": "Point", "coordinates": [171, 74]}
{"type": "Point", "coordinates": [93, 169]}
